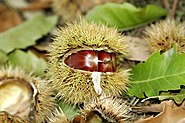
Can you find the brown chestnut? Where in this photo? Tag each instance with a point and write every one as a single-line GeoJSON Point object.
{"type": "Point", "coordinates": [90, 60]}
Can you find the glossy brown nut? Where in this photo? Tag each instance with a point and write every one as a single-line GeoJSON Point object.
{"type": "Point", "coordinates": [92, 61]}
{"type": "Point", "coordinates": [113, 59]}
{"type": "Point", "coordinates": [83, 60]}
{"type": "Point", "coordinates": [105, 64]}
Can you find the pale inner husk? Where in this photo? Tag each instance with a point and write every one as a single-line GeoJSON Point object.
{"type": "Point", "coordinates": [96, 79]}
{"type": "Point", "coordinates": [15, 97]}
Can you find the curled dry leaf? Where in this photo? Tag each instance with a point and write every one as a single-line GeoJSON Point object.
{"type": "Point", "coordinates": [158, 107]}
{"type": "Point", "coordinates": [170, 113]}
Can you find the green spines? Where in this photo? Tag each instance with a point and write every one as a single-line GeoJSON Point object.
{"type": "Point", "coordinates": [85, 35]}
{"type": "Point", "coordinates": [76, 86]}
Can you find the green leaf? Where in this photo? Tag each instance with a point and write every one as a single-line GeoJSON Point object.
{"type": "Point", "coordinates": [29, 61]}
{"type": "Point", "coordinates": [27, 33]}
{"type": "Point", "coordinates": [178, 97]}
{"type": "Point", "coordinates": [161, 72]}
{"type": "Point", "coordinates": [3, 57]}
{"type": "Point", "coordinates": [124, 16]}
{"type": "Point", "coordinates": [69, 110]}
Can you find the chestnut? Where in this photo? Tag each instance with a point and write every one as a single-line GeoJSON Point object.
{"type": "Point", "coordinates": [88, 60]}
{"type": "Point", "coordinates": [83, 62]}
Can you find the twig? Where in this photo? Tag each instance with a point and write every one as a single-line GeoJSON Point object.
{"type": "Point", "coordinates": [174, 7]}
{"type": "Point", "coordinates": [166, 4]}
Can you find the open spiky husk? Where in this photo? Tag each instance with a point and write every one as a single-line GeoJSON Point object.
{"type": "Point", "coordinates": [163, 35]}
{"type": "Point", "coordinates": [45, 103]}
{"type": "Point", "coordinates": [76, 86]}
{"type": "Point", "coordinates": [111, 109]}
{"type": "Point", "coordinates": [16, 90]}
{"type": "Point", "coordinates": [8, 118]}
{"type": "Point", "coordinates": [41, 102]}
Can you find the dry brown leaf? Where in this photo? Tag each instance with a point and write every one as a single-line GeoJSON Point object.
{"type": "Point", "coordinates": [8, 18]}
{"type": "Point", "coordinates": [37, 5]}
{"type": "Point", "coordinates": [159, 107]}
{"type": "Point", "coordinates": [170, 114]}
{"type": "Point", "coordinates": [183, 105]}
{"type": "Point", "coordinates": [138, 49]}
